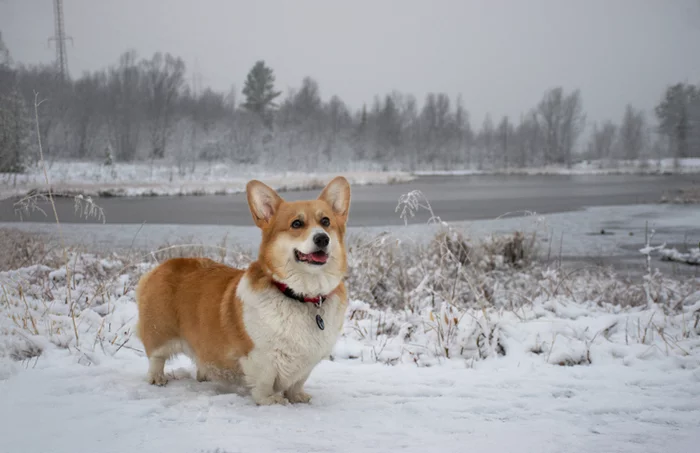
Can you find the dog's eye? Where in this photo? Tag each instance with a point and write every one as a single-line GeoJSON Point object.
{"type": "Point", "coordinates": [326, 222]}
{"type": "Point", "coordinates": [297, 224]}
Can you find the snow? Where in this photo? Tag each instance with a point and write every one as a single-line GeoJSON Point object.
{"type": "Point", "coordinates": [493, 407]}
{"type": "Point", "coordinates": [572, 369]}
{"type": "Point", "coordinates": [692, 256]}
{"type": "Point", "coordinates": [588, 167]}
{"type": "Point", "coordinates": [164, 178]}
{"type": "Point", "coordinates": [161, 178]}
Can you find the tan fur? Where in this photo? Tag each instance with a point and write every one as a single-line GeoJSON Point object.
{"type": "Point", "coordinates": [191, 299]}
{"type": "Point", "coordinates": [191, 306]}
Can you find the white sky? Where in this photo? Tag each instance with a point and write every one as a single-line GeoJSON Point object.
{"type": "Point", "coordinates": [499, 54]}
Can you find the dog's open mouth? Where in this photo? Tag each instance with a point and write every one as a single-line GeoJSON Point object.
{"type": "Point", "coordinates": [317, 258]}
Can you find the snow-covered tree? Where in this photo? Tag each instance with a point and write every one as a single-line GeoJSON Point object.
{"type": "Point", "coordinates": [632, 133]}
{"type": "Point", "coordinates": [15, 127]}
{"type": "Point", "coordinates": [679, 118]}
{"type": "Point", "coordinates": [562, 120]}
{"type": "Point", "coordinates": [259, 91]}
{"type": "Point", "coordinates": [505, 135]}
{"type": "Point", "coordinates": [603, 140]}
{"type": "Point", "coordinates": [164, 77]}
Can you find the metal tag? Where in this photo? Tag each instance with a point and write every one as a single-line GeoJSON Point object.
{"type": "Point", "coordinates": [319, 322]}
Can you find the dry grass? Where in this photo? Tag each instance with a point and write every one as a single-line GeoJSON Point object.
{"type": "Point", "coordinates": [450, 267]}
{"type": "Point", "coordinates": [21, 249]}
{"type": "Point", "coordinates": [690, 195]}
{"type": "Point", "coordinates": [452, 288]}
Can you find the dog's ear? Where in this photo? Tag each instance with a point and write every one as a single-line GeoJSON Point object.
{"type": "Point", "coordinates": [337, 195]}
{"type": "Point", "coordinates": [263, 202]}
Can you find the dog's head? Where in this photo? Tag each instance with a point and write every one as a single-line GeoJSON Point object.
{"type": "Point", "coordinates": [303, 242]}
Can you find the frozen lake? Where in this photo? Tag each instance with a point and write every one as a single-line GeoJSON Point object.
{"type": "Point", "coordinates": [453, 198]}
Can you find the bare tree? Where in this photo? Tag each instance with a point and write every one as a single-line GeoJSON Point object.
{"type": "Point", "coordinates": [632, 133]}
{"type": "Point", "coordinates": [562, 121]}
{"type": "Point", "coordinates": [528, 140]}
{"type": "Point", "coordinates": [602, 141]}
{"type": "Point", "coordinates": [573, 123]}
{"type": "Point", "coordinates": [164, 77]}
{"type": "Point", "coordinates": [388, 130]}
{"type": "Point", "coordinates": [550, 119]}
{"type": "Point", "coordinates": [465, 135]}
{"type": "Point", "coordinates": [87, 112]}
{"type": "Point", "coordinates": [505, 141]}
{"type": "Point", "coordinates": [339, 121]}
{"type": "Point", "coordinates": [435, 123]}
{"type": "Point", "coordinates": [125, 106]}
{"type": "Point", "coordinates": [54, 111]}
{"type": "Point", "coordinates": [485, 140]}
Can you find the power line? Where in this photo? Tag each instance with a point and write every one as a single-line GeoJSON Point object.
{"type": "Point", "coordinates": [60, 38]}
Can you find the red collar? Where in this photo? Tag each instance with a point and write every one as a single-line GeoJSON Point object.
{"type": "Point", "coordinates": [289, 292]}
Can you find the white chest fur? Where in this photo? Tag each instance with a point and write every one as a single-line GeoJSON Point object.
{"type": "Point", "coordinates": [288, 343]}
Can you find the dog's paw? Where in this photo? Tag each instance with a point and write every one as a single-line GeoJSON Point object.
{"type": "Point", "coordinates": [272, 399]}
{"type": "Point", "coordinates": [202, 376]}
{"type": "Point", "coordinates": [299, 397]}
{"type": "Point", "coordinates": [157, 379]}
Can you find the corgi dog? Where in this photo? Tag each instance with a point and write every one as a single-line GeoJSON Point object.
{"type": "Point", "coordinates": [267, 326]}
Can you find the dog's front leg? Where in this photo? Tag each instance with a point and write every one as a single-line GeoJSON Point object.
{"type": "Point", "coordinates": [260, 377]}
{"type": "Point", "coordinates": [296, 393]}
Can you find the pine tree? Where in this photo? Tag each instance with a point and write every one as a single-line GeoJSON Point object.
{"type": "Point", "coordinates": [15, 127]}
{"type": "Point", "coordinates": [673, 113]}
{"type": "Point", "coordinates": [259, 90]}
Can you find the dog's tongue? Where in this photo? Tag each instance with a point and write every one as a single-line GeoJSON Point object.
{"type": "Point", "coordinates": [317, 257]}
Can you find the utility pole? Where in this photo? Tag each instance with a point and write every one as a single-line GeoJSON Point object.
{"type": "Point", "coordinates": [60, 38]}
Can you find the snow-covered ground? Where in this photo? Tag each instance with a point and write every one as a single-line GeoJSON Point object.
{"type": "Point", "coordinates": [439, 351]}
{"type": "Point", "coordinates": [587, 167]}
{"type": "Point", "coordinates": [163, 178]}
{"type": "Point", "coordinates": [146, 179]}
{"type": "Point", "coordinates": [485, 357]}
{"type": "Point", "coordinates": [497, 407]}
{"type": "Point", "coordinates": [692, 256]}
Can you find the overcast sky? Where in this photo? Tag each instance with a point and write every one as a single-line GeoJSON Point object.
{"type": "Point", "coordinates": [499, 54]}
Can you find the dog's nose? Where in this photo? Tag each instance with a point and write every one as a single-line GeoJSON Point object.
{"type": "Point", "coordinates": [321, 240]}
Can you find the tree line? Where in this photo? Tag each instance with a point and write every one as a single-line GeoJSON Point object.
{"type": "Point", "coordinates": [148, 108]}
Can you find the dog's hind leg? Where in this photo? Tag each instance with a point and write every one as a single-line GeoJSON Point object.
{"type": "Point", "coordinates": [157, 358]}
{"type": "Point", "coordinates": [202, 373]}
{"type": "Point", "coordinates": [156, 370]}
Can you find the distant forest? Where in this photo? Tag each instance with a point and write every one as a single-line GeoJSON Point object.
{"type": "Point", "coordinates": [149, 109]}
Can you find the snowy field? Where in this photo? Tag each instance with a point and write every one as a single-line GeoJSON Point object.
{"type": "Point", "coordinates": [587, 167]}
{"type": "Point", "coordinates": [456, 338]}
{"type": "Point", "coordinates": [205, 178]}
{"type": "Point", "coordinates": [160, 178]}
{"type": "Point", "coordinates": [450, 343]}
